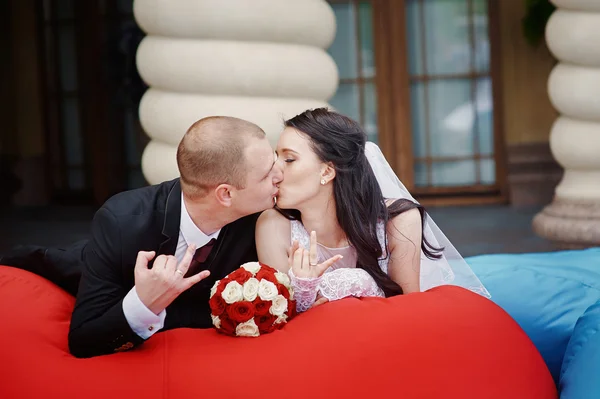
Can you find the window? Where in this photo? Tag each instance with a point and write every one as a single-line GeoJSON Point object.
{"type": "Point", "coordinates": [420, 76]}
{"type": "Point", "coordinates": [65, 139]}
{"type": "Point", "coordinates": [450, 92]}
{"type": "Point", "coordinates": [354, 54]}
{"type": "Point", "coordinates": [92, 92]}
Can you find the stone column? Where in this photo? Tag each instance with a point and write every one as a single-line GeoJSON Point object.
{"type": "Point", "coordinates": [260, 60]}
{"type": "Point", "coordinates": [572, 220]}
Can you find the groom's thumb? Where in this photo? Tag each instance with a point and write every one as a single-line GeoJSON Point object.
{"type": "Point", "coordinates": [143, 258]}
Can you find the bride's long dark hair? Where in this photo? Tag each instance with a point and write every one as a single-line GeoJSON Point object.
{"type": "Point", "coordinates": [359, 202]}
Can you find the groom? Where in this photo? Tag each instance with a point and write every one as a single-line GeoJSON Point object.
{"type": "Point", "coordinates": [155, 252]}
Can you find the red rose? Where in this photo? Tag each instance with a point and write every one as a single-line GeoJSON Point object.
{"type": "Point", "coordinates": [265, 323]}
{"type": "Point", "coordinates": [283, 291]}
{"type": "Point", "coordinates": [266, 274]}
{"type": "Point", "coordinates": [221, 286]}
{"type": "Point", "coordinates": [291, 310]}
{"type": "Point", "coordinates": [241, 275]}
{"type": "Point", "coordinates": [267, 268]}
{"type": "Point", "coordinates": [217, 305]}
{"type": "Point", "coordinates": [277, 326]}
{"type": "Point", "coordinates": [227, 325]}
{"type": "Point", "coordinates": [261, 307]}
{"type": "Point", "coordinates": [240, 311]}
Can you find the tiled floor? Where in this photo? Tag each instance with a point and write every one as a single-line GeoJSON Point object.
{"type": "Point", "coordinates": [473, 230]}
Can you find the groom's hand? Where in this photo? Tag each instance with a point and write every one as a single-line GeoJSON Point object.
{"type": "Point", "coordinates": [159, 286]}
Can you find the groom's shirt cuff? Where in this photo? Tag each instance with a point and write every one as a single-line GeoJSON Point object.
{"type": "Point", "coordinates": [142, 320]}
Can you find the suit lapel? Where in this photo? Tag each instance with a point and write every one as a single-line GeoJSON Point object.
{"type": "Point", "coordinates": [172, 221]}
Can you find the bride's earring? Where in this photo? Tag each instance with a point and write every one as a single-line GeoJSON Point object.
{"type": "Point", "coordinates": [323, 182]}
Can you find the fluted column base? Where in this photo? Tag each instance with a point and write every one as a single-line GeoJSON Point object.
{"type": "Point", "coordinates": [570, 224]}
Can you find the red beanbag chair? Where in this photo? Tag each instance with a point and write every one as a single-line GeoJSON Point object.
{"type": "Point", "coordinates": [446, 343]}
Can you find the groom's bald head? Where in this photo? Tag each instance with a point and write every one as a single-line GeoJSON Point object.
{"type": "Point", "coordinates": [212, 152]}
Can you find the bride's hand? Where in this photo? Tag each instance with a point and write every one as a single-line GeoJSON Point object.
{"type": "Point", "coordinates": [304, 263]}
{"type": "Point", "coordinates": [320, 300]}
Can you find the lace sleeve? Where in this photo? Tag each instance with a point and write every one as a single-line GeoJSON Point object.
{"type": "Point", "coordinates": [305, 291]}
{"type": "Point", "coordinates": [344, 282]}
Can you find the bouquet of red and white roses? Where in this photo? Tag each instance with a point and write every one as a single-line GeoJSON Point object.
{"type": "Point", "coordinates": [255, 299]}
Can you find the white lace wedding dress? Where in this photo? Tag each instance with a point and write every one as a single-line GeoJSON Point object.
{"type": "Point", "coordinates": [342, 279]}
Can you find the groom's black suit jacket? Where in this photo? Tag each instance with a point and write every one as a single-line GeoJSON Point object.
{"type": "Point", "coordinates": [145, 219]}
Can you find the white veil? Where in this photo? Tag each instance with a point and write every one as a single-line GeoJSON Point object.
{"type": "Point", "coordinates": [451, 268]}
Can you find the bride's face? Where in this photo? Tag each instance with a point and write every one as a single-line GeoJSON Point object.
{"type": "Point", "coordinates": [302, 169]}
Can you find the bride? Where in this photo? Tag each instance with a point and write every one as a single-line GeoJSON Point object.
{"type": "Point", "coordinates": [374, 239]}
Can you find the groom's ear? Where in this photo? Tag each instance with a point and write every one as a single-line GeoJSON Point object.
{"type": "Point", "coordinates": [328, 171]}
{"type": "Point", "coordinates": [223, 194]}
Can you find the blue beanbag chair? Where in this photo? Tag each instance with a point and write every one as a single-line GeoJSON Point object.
{"type": "Point", "coordinates": [580, 374]}
{"type": "Point", "coordinates": [545, 293]}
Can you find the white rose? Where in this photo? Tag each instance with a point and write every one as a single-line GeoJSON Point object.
{"type": "Point", "coordinates": [283, 279]}
{"type": "Point", "coordinates": [233, 292]}
{"type": "Point", "coordinates": [251, 289]}
{"type": "Point", "coordinates": [216, 321]}
{"type": "Point", "coordinates": [247, 329]}
{"type": "Point", "coordinates": [279, 305]}
{"type": "Point", "coordinates": [252, 267]}
{"type": "Point", "coordinates": [267, 290]}
{"type": "Point", "coordinates": [280, 319]}
{"type": "Point", "coordinates": [213, 290]}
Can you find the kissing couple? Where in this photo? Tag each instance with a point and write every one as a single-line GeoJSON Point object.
{"type": "Point", "coordinates": [325, 207]}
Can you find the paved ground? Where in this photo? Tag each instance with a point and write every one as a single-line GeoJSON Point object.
{"type": "Point", "coordinates": [491, 229]}
{"type": "Point", "coordinates": [473, 230]}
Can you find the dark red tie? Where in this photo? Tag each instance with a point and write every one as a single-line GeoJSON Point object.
{"type": "Point", "coordinates": [200, 257]}
{"type": "Point", "coordinates": [203, 252]}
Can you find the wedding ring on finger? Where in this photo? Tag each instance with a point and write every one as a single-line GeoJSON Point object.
{"type": "Point", "coordinates": [179, 272]}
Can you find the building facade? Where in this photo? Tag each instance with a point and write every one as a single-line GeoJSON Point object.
{"type": "Point", "coordinates": [450, 90]}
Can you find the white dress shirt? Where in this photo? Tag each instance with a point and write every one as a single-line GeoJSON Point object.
{"type": "Point", "coordinates": [141, 319]}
